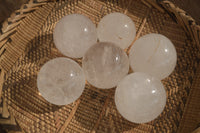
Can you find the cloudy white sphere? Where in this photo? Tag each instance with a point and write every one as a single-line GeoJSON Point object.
{"type": "Point", "coordinates": [74, 34]}
{"type": "Point", "coordinates": [116, 28]}
{"type": "Point", "coordinates": [140, 98]}
{"type": "Point", "coordinates": [61, 81]}
{"type": "Point", "coordinates": [153, 54]}
{"type": "Point", "coordinates": [105, 64]}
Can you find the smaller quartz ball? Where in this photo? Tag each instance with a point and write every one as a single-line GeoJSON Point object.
{"type": "Point", "coordinates": [61, 81]}
{"type": "Point", "coordinates": [105, 64]}
{"type": "Point", "coordinates": [153, 54]}
{"type": "Point", "coordinates": [117, 28]}
{"type": "Point", "coordinates": [74, 34]}
{"type": "Point", "coordinates": [140, 98]}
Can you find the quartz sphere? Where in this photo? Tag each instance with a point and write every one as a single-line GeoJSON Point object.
{"type": "Point", "coordinates": [105, 64]}
{"type": "Point", "coordinates": [140, 98]}
{"type": "Point", "coordinates": [74, 34]}
{"type": "Point", "coordinates": [61, 81]}
{"type": "Point", "coordinates": [153, 54]}
{"type": "Point", "coordinates": [117, 28]}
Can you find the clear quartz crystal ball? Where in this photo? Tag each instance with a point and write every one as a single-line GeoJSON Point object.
{"type": "Point", "coordinates": [74, 34]}
{"type": "Point", "coordinates": [153, 54]}
{"type": "Point", "coordinates": [117, 28]}
{"type": "Point", "coordinates": [61, 81]}
{"type": "Point", "coordinates": [140, 98]}
{"type": "Point", "coordinates": [105, 64]}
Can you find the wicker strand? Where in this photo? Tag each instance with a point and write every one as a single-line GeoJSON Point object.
{"type": "Point", "coordinates": [197, 130]}
{"type": "Point", "coordinates": [129, 3]}
{"type": "Point", "coordinates": [146, 3]}
{"type": "Point", "coordinates": [155, 5]}
{"type": "Point", "coordinates": [72, 113]}
{"type": "Point", "coordinates": [103, 111]}
{"type": "Point", "coordinates": [25, 31]}
{"type": "Point", "coordinates": [140, 29]}
{"type": "Point", "coordinates": [10, 25]}
{"type": "Point", "coordinates": [1, 81]}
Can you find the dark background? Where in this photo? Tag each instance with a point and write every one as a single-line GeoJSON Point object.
{"type": "Point", "coordinates": [8, 6]}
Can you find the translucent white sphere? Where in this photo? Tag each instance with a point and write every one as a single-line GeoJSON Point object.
{"type": "Point", "coordinates": [105, 64]}
{"type": "Point", "coordinates": [153, 54]}
{"type": "Point", "coordinates": [61, 81]}
{"type": "Point", "coordinates": [74, 34]}
{"type": "Point", "coordinates": [140, 98]}
{"type": "Point", "coordinates": [117, 28]}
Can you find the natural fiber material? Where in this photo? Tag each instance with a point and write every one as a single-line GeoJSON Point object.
{"type": "Point", "coordinates": [26, 44]}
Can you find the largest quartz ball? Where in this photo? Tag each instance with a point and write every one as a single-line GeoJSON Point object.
{"type": "Point", "coordinates": [105, 64]}
{"type": "Point", "coordinates": [140, 98]}
{"type": "Point", "coordinates": [74, 34]}
{"type": "Point", "coordinates": [61, 81]}
{"type": "Point", "coordinates": [153, 54]}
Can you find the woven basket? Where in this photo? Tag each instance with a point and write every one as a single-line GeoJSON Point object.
{"type": "Point", "coordinates": [26, 43]}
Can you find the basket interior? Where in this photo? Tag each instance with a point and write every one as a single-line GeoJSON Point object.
{"type": "Point", "coordinates": [96, 110]}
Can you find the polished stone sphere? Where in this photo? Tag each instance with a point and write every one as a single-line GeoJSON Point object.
{"type": "Point", "coordinates": [116, 28]}
{"type": "Point", "coordinates": [140, 98]}
{"type": "Point", "coordinates": [74, 34]}
{"type": "Point", "coordinates": [105, 64]}
{"type": "Point", "coordinates": [61, 81]}
{"type": "Point", "coordinates": [153, 54]}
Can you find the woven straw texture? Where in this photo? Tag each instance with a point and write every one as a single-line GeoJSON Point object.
{"type": "Point", "coordinates": [26, 43]}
